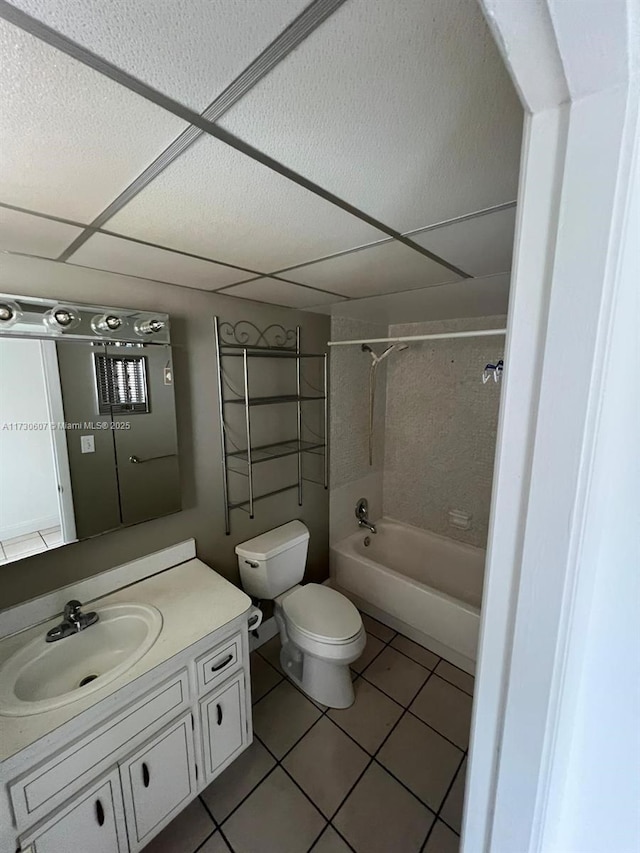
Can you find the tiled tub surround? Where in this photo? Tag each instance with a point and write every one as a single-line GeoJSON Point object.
{"type": "Point", "coordinates": [385, 775]}
{"type": "Point", "coordinates": [425, 585]}
{"type": "Point", "coordinates": [440, 428]}
{"type": "Point", "coordinates": [351, 477]}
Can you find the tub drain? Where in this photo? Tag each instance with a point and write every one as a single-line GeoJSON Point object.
{"type": "Point", "coordinates": [87, 679]}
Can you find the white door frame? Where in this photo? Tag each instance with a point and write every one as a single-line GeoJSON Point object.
{"type": "Point", "coordinates": [574, 66]}
{"type": "Point", "coordinates": [53, 387]}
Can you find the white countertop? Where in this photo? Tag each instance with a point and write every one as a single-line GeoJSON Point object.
{"type": "Point", "coordinates": [194, 601]}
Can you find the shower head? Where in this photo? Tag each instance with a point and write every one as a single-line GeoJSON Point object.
{"type": "Point", "coordinates": [376, 359]}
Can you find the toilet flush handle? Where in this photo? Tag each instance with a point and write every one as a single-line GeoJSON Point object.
{"type": "Point", "coordinates": [253, 564]}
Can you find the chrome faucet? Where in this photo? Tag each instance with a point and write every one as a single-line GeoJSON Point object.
{"type": "Point", "coordinates": [362, 511]}
{"type": "Point", "coordinates": [73, 620]}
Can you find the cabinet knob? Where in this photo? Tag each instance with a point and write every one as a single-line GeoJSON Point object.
{"type": "Point", "coordinates": [145, 774]}
{"type": "Point", "coordinates": [99, 813]}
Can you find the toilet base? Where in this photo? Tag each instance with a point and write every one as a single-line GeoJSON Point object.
{"type": "Point", "coordinates": [324, 681]}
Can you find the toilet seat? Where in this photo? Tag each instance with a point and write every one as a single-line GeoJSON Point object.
{"type": "Point", "coordinates": [322, 614]}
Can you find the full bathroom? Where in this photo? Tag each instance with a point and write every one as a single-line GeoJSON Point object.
{"type": "Point", "coordinates": [288, 506]}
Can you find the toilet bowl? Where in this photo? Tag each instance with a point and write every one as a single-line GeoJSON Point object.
{"type": "Point", "coordinates": [320, 629]}
{"type": "Point", "coordinates": [322, 634]}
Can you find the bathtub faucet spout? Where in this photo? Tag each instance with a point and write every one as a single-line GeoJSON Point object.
{"type": "Point", "coordinates": [362, 512]}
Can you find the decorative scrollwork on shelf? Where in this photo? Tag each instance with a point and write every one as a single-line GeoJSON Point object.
{"type": "Point", "coordinates": [246, 333]}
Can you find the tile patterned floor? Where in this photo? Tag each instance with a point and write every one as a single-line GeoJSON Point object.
{"type": "Point", "coordinates": [30, 543]}
{"type": "Point", "coordinates": [384, 776]}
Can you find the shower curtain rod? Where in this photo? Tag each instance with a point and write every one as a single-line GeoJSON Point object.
{"type": "Point", "coordinates": [479, 333]}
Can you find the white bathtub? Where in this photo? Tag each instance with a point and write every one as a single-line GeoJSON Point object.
{"type": "Point", "coordinates": [424, 585]}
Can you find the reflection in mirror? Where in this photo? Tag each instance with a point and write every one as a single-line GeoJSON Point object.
{"type": "Point", "coordinates": [87, 429]}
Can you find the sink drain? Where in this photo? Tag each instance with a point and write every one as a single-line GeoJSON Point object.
{"type": "Point", "coordinates": [87, 679]}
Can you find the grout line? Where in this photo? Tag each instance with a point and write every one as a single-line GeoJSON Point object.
{"type": "Point", "coordinates": [216, 824]}
{"type": "Point", "coordinates": [211, 834]}
{"type": "Point", "coordinates": [76, 51]}
{"type": "Point", "coordinates": [444, 800]}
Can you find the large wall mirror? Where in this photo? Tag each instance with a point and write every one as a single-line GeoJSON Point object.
{"type": "Point", "coordinates": [87, 422]}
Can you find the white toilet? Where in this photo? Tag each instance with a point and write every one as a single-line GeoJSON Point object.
{"type": "Point", "coordinates": [321, 630]}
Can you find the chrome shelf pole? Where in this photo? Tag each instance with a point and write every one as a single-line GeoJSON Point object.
{"type": "Point", "coordinates": [299, 413]}
{"type": "Point", "coordinates": [247, 419]}
{"type": "Point", "coordinates": [223, 431]}
{"type": "Point", "coordinates": [326, 421]}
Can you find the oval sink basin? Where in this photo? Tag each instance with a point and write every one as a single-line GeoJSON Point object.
{"type": "Point", "coordinates": [42, 676]}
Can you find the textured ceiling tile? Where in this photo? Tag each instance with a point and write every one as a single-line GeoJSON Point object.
{"type": "Point", "coordinates": [473, 297]}
{"type": "Point", "coordinates": [70, 140]}
{"type": "Point", "coordinates": [281, 293]}
{"type": "Point", "coordinates": [189, 50]}
{"type": "Point", "coordinates": [386, 268]}
{"type": "Point", "coordinates": [34, 235]}
{"type": "Point", "coordinates": [402, 108]}
{"type": "Point", "coordinates": [216, 202]}
{"type": "Point", "coordinates": [482, 245]}
{"type": "Point", "coordinates": [104, 252]}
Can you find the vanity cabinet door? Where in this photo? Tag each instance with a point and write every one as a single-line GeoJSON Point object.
{"type": "Point", "coordinates": [224, 725]}
{"type": "Point", "coordinates": [158, 781]}
{"type": "Point", "coordinates": [94, 821]}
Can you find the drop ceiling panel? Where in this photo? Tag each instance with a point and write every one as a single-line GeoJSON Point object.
{"type": "Point", "coordinates": [482, 245]}
{"type": "Point", "coordinates": [281, 293]}
{"type": "Point", "coordinates": [190, 51]}
{"type": "Point", "coordinates": [386, 268]}
{"type": "Point", "coordinates": [115, 254]}
{"type": "Point", "coordinates": [34, 235]}
{"type": "Point", "coordinates": [215, 201]}
{"type": "Point", "coordinates": [413, 117]}
{"type": "Point", "coordinates": [70, 139]}
{"type": "Point", "coordinates": [482, 297]}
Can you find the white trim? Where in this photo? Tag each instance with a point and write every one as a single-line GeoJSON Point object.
{"type": "Point", "coordinates": [53, 388]}
{"type": "Point", "coordinates": [37, 610]}
{"type": "Point", "coordinates": [441, 336]}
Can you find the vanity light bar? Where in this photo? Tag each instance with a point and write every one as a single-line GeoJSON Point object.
{"type": "Point", "coordinates": [40, 318]}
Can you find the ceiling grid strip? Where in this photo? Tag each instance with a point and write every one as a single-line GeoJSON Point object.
{"type": "Point", "coordinates": [279, 49]}
{"type": "Point", "coordinates": [81, 54]}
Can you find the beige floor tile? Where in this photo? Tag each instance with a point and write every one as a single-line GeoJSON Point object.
{"type": "Point", "coordinates": [456, 676]}
{"type": "Point", "coordinates": [282, 717]}
{"type": "Point", "coordinates": [371, 717]}
{"type": "Point", "coordinates": [52, 536]}
{"type": "Point", "coordinates": [374, 646]}
{"type": "Point", "coordinates": [372, 626]}
{"type": "Point", "coordinates": [216, 844]}
{"type": "Point", "coordinates": [452, 809]}
{"type": "Point", "coordinates": [397, 675]}
{"type": "Point", "coordinates": [232, 786]}
{"type": "Point", "coordinates": [263, 677]}
{"type": "Point", "coordinates": [270, 651]}
{"type": "Point", "coordinates": [22, 546]}
{"type": "Point", "coordinates": [381, 816]}
{"type": "Point", "coordinates": [185, 832]}
{"type": "Point", "coordinates": [446, 708]}
{"type": "Point", "coordinates": [442, 840]}
{"type": "Point", "coordinates": [417, 653]}
{"type": "Point", "coordinates": [330, 842]}
{"type": "Point", "coordinates": [276, 818]}
{"type": "Point", "coordinates": [422, 759]}
{"type": "Point", "coordinates": [326, 763]}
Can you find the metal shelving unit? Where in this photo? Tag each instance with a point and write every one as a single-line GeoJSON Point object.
{"type": "Point", "coordinates": [246, 341]}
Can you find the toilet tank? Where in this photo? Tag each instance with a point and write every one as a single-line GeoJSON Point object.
{"type": "Point", "coordinates": [273, 562]}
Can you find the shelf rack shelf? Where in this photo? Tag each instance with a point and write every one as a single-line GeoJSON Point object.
{"type": "Point", "coordinates": [246, 341]}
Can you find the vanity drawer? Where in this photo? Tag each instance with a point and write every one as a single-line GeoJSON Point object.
{"type": "Point", "coordinates": [52, 782]}
{"type": "Point", "coordinates": [214, 666]}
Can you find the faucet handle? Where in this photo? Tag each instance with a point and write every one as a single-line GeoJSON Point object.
{"type": "Point", "coordinates": [362, 508]}
{"type": "Point", "coordinates": [72, 610]}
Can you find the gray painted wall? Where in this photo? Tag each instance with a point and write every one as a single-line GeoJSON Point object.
{"type": "Point", "coordinates": [191, 314]}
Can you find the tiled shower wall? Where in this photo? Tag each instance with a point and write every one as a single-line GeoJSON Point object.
{"type": "Point", "coordinates": [351, 477]}
{"type": "Point", "coordinates": [440, 430]}
{"type": "Point", "coordinates": [435, 428]}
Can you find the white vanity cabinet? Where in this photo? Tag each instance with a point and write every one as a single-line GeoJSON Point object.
{"type": "Point", "coordinates": [109, 780]}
